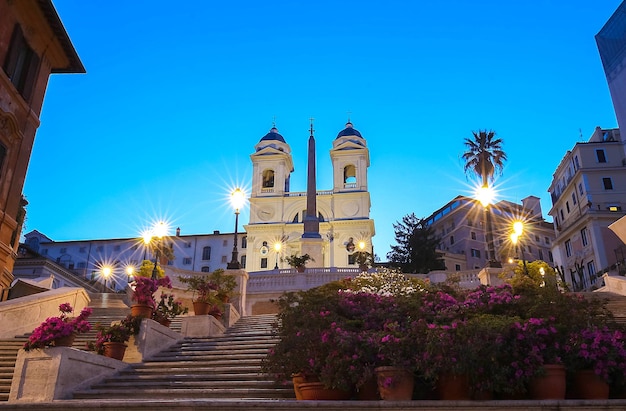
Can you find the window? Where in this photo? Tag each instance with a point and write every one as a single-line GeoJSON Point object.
{"type": "Point", "coordinates": [475, 253]}
{"type": "Point", "coordinates": [21, 64]}
{"type": "Point", "coordinates": [473, 235]}
{"type": "Point", "coordinates": [206, 253]}
{"type": "Point", "coordinates": [568, 248]}
{"type": "Point", "coordinates": [187, 244]}
{"type": "Point", "coordinates": [224, 259]}
{"type": "Point", "coordinates": [100, 248]}
{"type": "Point", "coordinates": [530, 249]}
{"type": "Point", "coordinates": [268, 178]}
{"type": "Point", "coordinates": [451, 240]}
{"type": "Point", "coordinates": [244, 242]}
{"type": "Point", "coordinates": [352, 259]}
{"type": "Point", "coordinates": [187, 261]}
{"type": "Point", "coordinates": [225, 243]}
{"type": "Point", "coordinates": [567, 206]}
{"type": "Point", "coordinates": [580, 188]}
{"type": "Point", "coordinates": [263, 262]}
{"type": "Point", "coordinates": [608, 183]}
{"type": "Point", "coordinates": [562, 215]}
{"type": "Point", "coordinates": [81, 250]}
{"type": "Point", "coordinates": [576, 163]}
{"type": "Point", "coordinates": [243, 261]}
{"type": "Point", "coordinates": [63, 250]}
{"type": "Point", "coordinates": [469, 223]}
{"type": "Point", "coordinates": [81, 265]}
{"type": "Point", "coordinates": [574, 198]}
{"type": "Point", "coordinates": [116, 248]}
{"type": "Point", "coordinates": [547, 240]}
{"type": "Point", "coordinates": [583, 236]}
{"type": "Point", "coordinates": [349, 174]}
{"type": "Point", "coordinates": [541, 254]}
{"type": "Point", "coordinates": [536, 238]}
{"type": "Point", "coordinates": [600, 155]}
{"type": "Point", "coordinates": [550, 256]}
{"type": "Point", "coordinates": [205, 269]}
{"type": "Point", "coordinates": [457, 267]}
{"type": "Point", "coordinates": [591, 268]}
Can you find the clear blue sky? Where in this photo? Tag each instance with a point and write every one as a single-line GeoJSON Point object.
{"type": "Point", "coordinates": [177, 95]}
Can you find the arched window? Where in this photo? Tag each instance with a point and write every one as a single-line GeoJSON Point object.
{"type": "Point", "coordinates": [244, 242]}
{"type": "Point", "coordinates": [268, 178]}
{"type": "Point", "coordinates": [205, 269]}
{"type": "Point", "coordinates": [349, 174]}
{"type": "Point", "coordinates": [206, 253]}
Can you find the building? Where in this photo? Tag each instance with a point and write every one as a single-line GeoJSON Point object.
{"type": "Point", "coordinates": [86, 258]}
{"type": "Point", "coordinates": [277, 214]}
{"type": "Point", "coordinates": [611, 41]}
{"type": "Point", "coordinates": [33, 44]}
{"type": "Point", "coordinates": [588, 193]}
{"type": "Point", "coordinates": [460, 226]}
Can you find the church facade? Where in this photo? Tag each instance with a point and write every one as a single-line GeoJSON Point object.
{"type": "Point", "coordinates": [277, 215]}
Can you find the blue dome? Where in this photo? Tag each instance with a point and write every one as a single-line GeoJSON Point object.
{"type": "Point", "coordinates": [273, 135]}
{"type": "Point", "coordinates": [349, 131]}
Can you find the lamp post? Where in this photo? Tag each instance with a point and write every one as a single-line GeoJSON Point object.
{"type": "Point", "coordinates": [237, 199]}
{"type": "Point", "coordinates": [518, 230]}
{"type": "Point", "coordinates": [130, 270]}
{"type": "Point", "coordinates": [485, 195]}
{"type": "Point", "coordinates": [277, 247]}
{"type": "Point", "coordinates": [106, 272]}
{"type": "Point", "coordinates": [160, 229]}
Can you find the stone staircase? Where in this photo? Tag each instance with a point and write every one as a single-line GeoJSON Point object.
{"type": "Point", "coordinates": [202, 368]}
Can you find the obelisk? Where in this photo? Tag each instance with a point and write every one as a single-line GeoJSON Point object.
{"type": "Point", "coordinates": [311, 238]}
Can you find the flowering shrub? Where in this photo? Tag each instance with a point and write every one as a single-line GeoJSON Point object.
{"type": "Point", "coordinates": [385, 281]}
{"type": "Point", "coordinates": [168, 307]}
{"type": "Point", "coordinates": [599, 349]}
{"type": "Point", "coordinates": [54, 328]}
{"type": "Point", "coordinates": [203, 286]}
{"type": "Point", "coordinates": [119, 332]}
{"type": "Point", "coordinates": [145, 288]}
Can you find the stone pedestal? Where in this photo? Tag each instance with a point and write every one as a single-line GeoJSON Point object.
{"type": "Point", "coordinates": [202, 326]}
{"type": "Point", "coordinates": [151, 339]}
{"type": "Point", "coordinates": [239, 300]}
{"type": "Point", "coordinates": [55, 373]}
{"type": "Point", "coordinates": [313, 247]}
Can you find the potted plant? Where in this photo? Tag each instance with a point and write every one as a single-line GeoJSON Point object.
{"type": "Point", "coordinates": [60, 330]}
{"type": "Point", "coordinates": [364, 260]}
{"type": "Point", "coordinates": [111, 340]}
{"type": "Point", "coordinates": [167, 308]}
{"type": "Point", "coordinates": [204, 293]}
{"type": "Point", "coordinates": [225, 284]}
{"type": "Point", "coordinates": [143, 295]}
{"type": "Point", "coordinates": [298, 262]}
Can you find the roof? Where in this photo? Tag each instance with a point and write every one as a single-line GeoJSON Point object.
{"type": "Point", "coordinates": [273, 136]}
{"type": "Point", "coordinates": [75, 65]}
{"type": "Point", "coordinates": [349, 131]}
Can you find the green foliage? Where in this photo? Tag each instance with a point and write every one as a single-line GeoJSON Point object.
{"type": "Point", "coordinates": [297, 261]}
{"type": "Point", "coordinates": [416, 247]}
{"type": "Point", "coordinates": [225, 283]}
{"type": "Point", "coordinates": [204, 290]}
{"type": "Point", "coordinates": [146, 269]}
{"type": "Point", "coordinates": [483, 156]}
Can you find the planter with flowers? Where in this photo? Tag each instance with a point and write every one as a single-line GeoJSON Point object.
{"type": "Point", "coordinates": [61, 330]}
{"type": "Point", "coordinates": [111, 340]}
{"type": "Point", "coordinates": [204, 295]}
{"type": "Point", "coordinates": [596, 355]}
{"type": "Point", "coordinates": [143, 295]}
{"type": "Point", "coordinates": [298, 261]}
{"type": "Point", "coordinates": [167, 309]}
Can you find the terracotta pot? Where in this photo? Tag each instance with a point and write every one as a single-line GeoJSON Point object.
{"type": "Point", "coordinates": [317, 391]}
{"type": "Point", "coordinates": [452, 387]}
{"type": "Point", "coordinates": [114, 350]}
{"type": "Point", "coordinates": [141, 310]}
{"type": "Point", "coordinates": [165, 322]}
{"type": "Point", "coordinates": [394, 383]}
{"type": "Point", "coordinates": [66, 341]}
{"type": "Point", "coordinates": [298, 379]}
{"type": "Point", "coordinates": [300, 269]}
{"type": "Point", "coordinates": [201, 308]}
{"type": "Point", "coordinates": [549, 386]}
{"type": "Point", "coordinates": [590, 386]}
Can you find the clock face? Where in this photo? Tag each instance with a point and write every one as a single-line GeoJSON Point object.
{"type": "Point", "coordinates": [265, 213]}
{"type": "Point", "coordinates": [264, 250]}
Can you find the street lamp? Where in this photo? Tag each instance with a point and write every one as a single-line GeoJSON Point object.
{"type": "Point", "coordinates": [237, 199]}
{"type": "Point", "coordinates": [159, 231]}
{"type": "Point", "coordinates": [277, 247]}
{"type": "Point", "coordinates": [485, 195]}
{"type": "Point", "coordinates": [130, 270]}
{"type": "Point", "coordinates": [106, 272]}
{"type": "Point", "coordinates": [518, 230]}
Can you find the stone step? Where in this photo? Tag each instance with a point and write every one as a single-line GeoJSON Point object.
{"type": "Point", "coordinates": [186, 383]}
{"type": "Point", "coordinates": [183, 370]}
{"type": "Point", "coordinates": [189, 393]}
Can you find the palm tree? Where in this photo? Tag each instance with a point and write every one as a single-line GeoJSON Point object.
{"type": "Point", "coordinates": [484, 157]}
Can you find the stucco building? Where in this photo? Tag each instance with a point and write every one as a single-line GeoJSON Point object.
{"type": "Point", "coordinates": [460, 226]}
{"type": "Point", "coordinates": [588, 193]}
{"type": "Point", "coordinates": [33, 44]}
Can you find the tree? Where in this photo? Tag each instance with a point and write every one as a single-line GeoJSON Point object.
{"type": "Point", "coordinates": [484, 157]}
{"type": "Point", "coordinates": [417, 245]}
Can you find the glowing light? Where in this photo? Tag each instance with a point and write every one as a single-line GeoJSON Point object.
{"type": "Point", "coordinates": [485, 195]}
{"type": "Point", "coordinates": [106, 271]}
{"type": "Point", "coordinates": [278, 246]}
{"type": "Point", "coordinates": [518, 228]}
{"type": "Point", "coordinates": [160, 229]}
{"type": "Point", "coordinates": [514, 238]}
{"type": "Point", "coordinates": [147, 237]}
{"type": "Point", "coordinates": [237, 199]}
{"type": "Point", "coordinates": [361, 245]}
{"type": "Point", "coordinates": [130, 270]}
